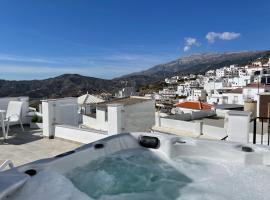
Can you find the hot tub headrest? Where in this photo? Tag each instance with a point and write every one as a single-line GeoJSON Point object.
{"type": "Point", "coordinates": [149, 142]}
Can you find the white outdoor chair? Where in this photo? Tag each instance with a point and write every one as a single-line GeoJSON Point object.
{"type": "Point", "coordinates": [13, 114]}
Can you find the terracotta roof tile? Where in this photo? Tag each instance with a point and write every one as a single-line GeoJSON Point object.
{"type": "Point", "coordinates": [196, 105]}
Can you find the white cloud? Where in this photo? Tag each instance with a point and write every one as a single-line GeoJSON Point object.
{"type": "Point", "coordinates": [107, 64]}
{"type": "Point", "coordinates": [100, 65]}
{"type": "Point", "coordinates": [32, 72]}
{"type": "Point", "coordinates": [15, 58]}
{"type": "Point", "coordinates": [189, 42]}
{"type": "Point", "coordinates": [212, 36]}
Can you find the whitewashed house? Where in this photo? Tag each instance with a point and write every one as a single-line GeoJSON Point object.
{"type": "Point", "coordinates": [87, 103]}
{"type": "Point", "coordinates": [221, 72]}
{"type": "Point", "coordinates": [126, 92]}
{"type": "Point", "coordinates": [256, 70]}
{"type": "Point", "coordinates": [172, 80]}
{"type": "Point", "coordinates": [168, 92]}
{"type": "Point", "coordinates": [240, 81]}
{"type": "Point", "coordinates": [210, 73]}
{"type": "Point", "coordinates": [183, 90]}
{"type": "Point", "coordinates": [197, 95]}
{"type": "Point", "coordinates": [212, 85]}
{"type": "Point", "coordinates": [257, 63]}
{"type": "Point", "coordinates": [251, 91]}
{"type": "Point", "coordinates": [234, 96]}
{"type": "Point", "coordinates": [242, 72]}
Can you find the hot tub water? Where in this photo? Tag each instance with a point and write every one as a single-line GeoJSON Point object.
{"type": "Point", "coordinates": [140, 174]}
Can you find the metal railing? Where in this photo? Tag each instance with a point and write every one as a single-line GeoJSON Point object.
{"type": "Point", "coordinates": [261, 121]}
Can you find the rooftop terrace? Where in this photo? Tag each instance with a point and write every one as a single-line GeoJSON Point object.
{"type": "Point", "coordinates": [24, 147]}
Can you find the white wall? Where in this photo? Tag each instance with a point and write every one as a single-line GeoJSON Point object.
{"type": "Point", "coordinates": [98, 123]}
{"type": "Point", "coordinates": [192, 127]}
{"type": "Point", "coordinates": [234, 98]}
{"type": "Point", "coordinates": [214, 98]}
{"type": "Point", "coordinates": [187, 110]}
{"type": "Point", "coordinates": [77, 135]}
{"type": "Point", "coordinates": [66, 114]}
{"type": "Point", "coordinates": [252, 92]}
{"type": "Point", "coordinates": [221, 112]}
{"type": "Point", "coordinates": [123, 118]}
{"type": "Point", "coordinates": [202, 113]}
{"type": "Point", "coordinates": [238, 126]}
{"type": "Point", "coordinates": [115, 118]}
{"type": "Point", "coordinates": [211, 85]}
{"type": "Point", "coordinates": [213, 131]}
{"type": "Point", "coordinates": [138, 117]}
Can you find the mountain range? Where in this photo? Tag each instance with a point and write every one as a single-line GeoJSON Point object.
{"type": "Point", "coordinates": [198, 63]}
{"type": "Point", "coordinates": [75, 84]}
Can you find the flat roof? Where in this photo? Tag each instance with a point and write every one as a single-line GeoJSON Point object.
{"type": "Point", "coordinates": [228, 106]}
{"type": "Point", "coordinates": [28, 146]}
{"type": "Point", "coordinates": [211, 120]}
{"type": "Point", "coordinates": [123, 101]}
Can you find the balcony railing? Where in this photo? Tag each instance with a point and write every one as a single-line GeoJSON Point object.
{"type": "Point", "coordinates": [262, 126]}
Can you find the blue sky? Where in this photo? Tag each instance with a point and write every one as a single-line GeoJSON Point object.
{"type": "Point", "coordinates": [109, 38]}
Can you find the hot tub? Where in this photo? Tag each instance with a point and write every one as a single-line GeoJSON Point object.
{"type": "Point", "coordinates": [162, 166]}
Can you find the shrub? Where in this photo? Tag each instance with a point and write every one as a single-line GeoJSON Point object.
{"type": "Point", "coordinates": [37, 119]}
{"type": "Point", "coordinates": [40, 120]}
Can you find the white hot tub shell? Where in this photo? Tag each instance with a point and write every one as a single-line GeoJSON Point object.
{"type": "Point", "coordinates": [170, 147]}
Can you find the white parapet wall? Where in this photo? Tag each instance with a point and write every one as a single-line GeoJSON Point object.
{"type": "Point", "coordinates": [78, 135]}
{"type": "Point", "coordinates": [221, 113]}
{"type": "Point", "coordinates": [99, 122]}
{"type": "Point", "coordinates": [123, 117]}
{"type": "Point", "coordinates": [202, 114]}
{"type": "Point", "coordinates": [214, 131]}
{"type": "Point", "coordinates": [194, 128]}
{"type": "Point", "coordinates": [59, 111]}
{"type": "Point", "coordinates": [191, 127]}
{"type": "Point", "coordinates": [138, 117]}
